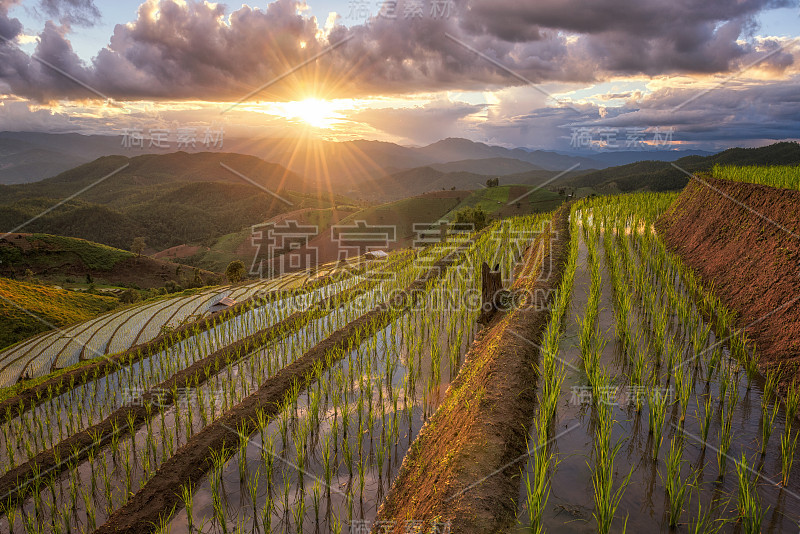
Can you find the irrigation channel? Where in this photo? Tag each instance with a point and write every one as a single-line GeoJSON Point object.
{"type": "Point", "coordinates": [651, 412]}
{"type": "Point", "coordinates": [324, 461]}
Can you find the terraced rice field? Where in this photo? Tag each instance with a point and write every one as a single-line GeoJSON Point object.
{"type": "Point", "coordinates": [83, 449]}
{"type": "Point", "coordinates": [314, 410]}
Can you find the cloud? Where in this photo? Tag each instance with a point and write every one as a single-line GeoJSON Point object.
{"type": "Point", "coordinates": [420, 124]}
{"type": "Point", "coordinates": [18, 116]}
{"type": "Point", "coordinates": [740, 113]}
{"type": "Point", "coordinates": [72, 12]}
{"type": "Point", "coordinates": [743, 113]}
{"type": "Point", "coordinates": [193, 50]}
{"type": "Point", "coordinates": [9, 28]}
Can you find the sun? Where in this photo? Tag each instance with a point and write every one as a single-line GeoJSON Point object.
{"type": "Point", "coordinates": [313, 111]}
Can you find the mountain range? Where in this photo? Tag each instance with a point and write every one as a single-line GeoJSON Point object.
{"type": "Point", "coordinates": [32, 156]}
{"type": "Point", "coordinates": [195, 199]}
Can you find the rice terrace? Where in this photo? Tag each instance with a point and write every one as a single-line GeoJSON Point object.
{"type": "Point", "coordinates": [399, 267]}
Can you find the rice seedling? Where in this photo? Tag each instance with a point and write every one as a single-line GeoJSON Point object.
{"type": "Point", "coordinates": [188, 502]}
{"type": "Point", "coordinates": [705, 421]}
{"type": "Point", "coordinates": [676, 488]}
{"type": "Point", "coordinates": [538, 487]}
{"type": "Point", "coordinates": [657, 409]}
{"type": "Point", "coordinates": [606, 498]}
{"type": "Point", "coordinates": [252, 493]}
{"type": "Point", "coordinates": [780, 176]}
{"type": "Point", "coordinates": [767, 424]}
{"type": "Point", "coordinates": [792, 402]}
{"type": "Point", "coordinates": [683, 388]}
{"type": "Point", "coordinates": [705, 522]}
{"type": "Point", "coordinates": [749, 502]}
{"type": "Point", "coordinates": [770, 386]}
{"type": "Point", "coordinates": [788, 447]}
{"type": "Point", "coordinates": [724, 446]}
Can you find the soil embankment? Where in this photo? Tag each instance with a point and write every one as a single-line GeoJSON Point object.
{"type": "Point", "coordinates": [463, 467]}
{"type": "Point", "coordinates": [744, 239]}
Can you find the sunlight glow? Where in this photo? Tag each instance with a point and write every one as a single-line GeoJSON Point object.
{"type": "Point", "coordinates": [313, 111]}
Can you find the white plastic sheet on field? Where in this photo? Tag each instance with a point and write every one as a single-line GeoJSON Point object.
{"type": "Point", "coordinates": [118, 331]}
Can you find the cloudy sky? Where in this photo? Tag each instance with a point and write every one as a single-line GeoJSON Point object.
{"type": "Point", "coordinates": [551, 74]}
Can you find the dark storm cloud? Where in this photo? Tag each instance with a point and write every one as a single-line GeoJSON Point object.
{"type": "Point", "coordinates": [736, 114]}
{"type": "Point", "coordinates": [196, 51]}
{"type": "Point", "coordinates": [643, 18]}
{"type": "Point", "coordinates": [9, 28]}
{"type": "Point", "coordinates": [646, 36]}
{"type": "Point", "coordinates": [73, 12]}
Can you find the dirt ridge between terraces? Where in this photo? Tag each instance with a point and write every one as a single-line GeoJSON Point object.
{"type": "Point", "coordinates": [463, 467]}
{"type": "Point", "coordinates": [192, 461]}
{"type": "Point", "coordinates": [17, 483]}
{"type": "Point", "coordinates": [34, 396]}
{"type": "Point", "coordinates": [744, 239]}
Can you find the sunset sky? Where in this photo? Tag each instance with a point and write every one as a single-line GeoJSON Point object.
{"type": "Point", "coordinates": [526, 73]}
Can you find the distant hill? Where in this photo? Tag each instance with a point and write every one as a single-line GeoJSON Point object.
{"type": "Point", "coordinates": [32, 156]}
{"type": "Point", "coordinates": [351, 168]}
{"type": "Point", "coordinates": [239, 245]}
{"type": "Point", "coordinates": [169, 199]}
{"type": "Point", "coordinates": [22, 162]}
{"type": "Point", "coordinates": [455, 149]}
{"type": "Point", "coordinates": [400, 214]}
{"type": "Point", "coordinates": [487, 167]}
{"type": "Point", "coordinates": [623, 157]}
{"type": "Point", "coordinates": [71, 262]}
{"type": "Point", "coordinates": [343, 165]}
{"type": "Point", "coordinates": [427, 179]}
{"type": "Point", "coordinates": [663, 176]}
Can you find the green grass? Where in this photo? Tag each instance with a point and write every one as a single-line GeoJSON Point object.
{"type": "Point", "coordinates": [494, 200]}
{"type": "Point", "coordinates": [222, 252]}
{"type": "Point", "coordinates": [52, 250]}
{"type": "Point", "coordinates": [781, 176]}
{"type": "Point", "coordinates": [55, 306]}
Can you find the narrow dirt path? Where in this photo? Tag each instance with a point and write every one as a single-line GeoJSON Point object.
{"type": "Point", "coordinates": [463, 468]}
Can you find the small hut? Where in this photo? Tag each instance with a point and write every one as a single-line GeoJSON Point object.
{"type": "Point", "coordinates": [223, 304]}
{"type": "Point", "coordinates": [376, 255]}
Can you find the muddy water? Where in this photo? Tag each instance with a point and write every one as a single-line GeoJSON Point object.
{"type": "Point", "coordinates": [644, 504]}
{"type": "Point", "coordinates": [93, 401]}
{"type": "Point", "coordinates": [103, 484]}
{"type": "Point", "coordinates": [379, 375]}
{"type": "Point", "coordinates": [86, 482]}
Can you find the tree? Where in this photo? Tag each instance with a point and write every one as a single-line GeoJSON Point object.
{"type": "Point", "coordinates": [475, 216]}
{"type": "Point", "coordinates": [235, 271]}
{"type": "Point", "coordinates": [138, 246]}
{"type": "Point", "coordinates": [129, 296]}
{"type": "Point", "coordinates": [492, 182]}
